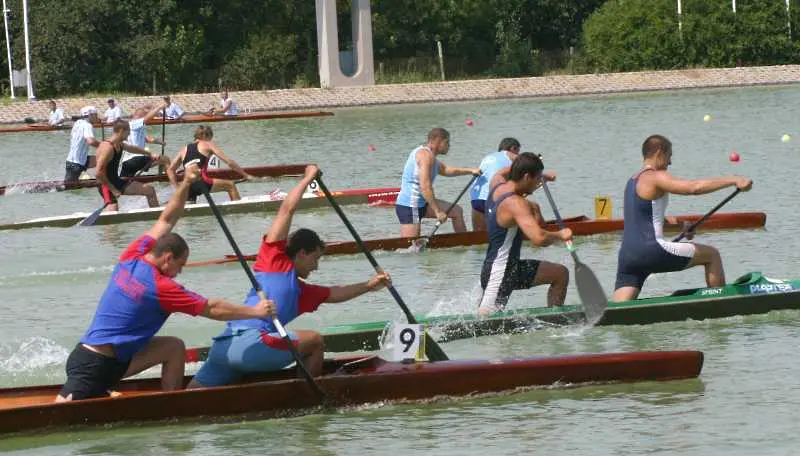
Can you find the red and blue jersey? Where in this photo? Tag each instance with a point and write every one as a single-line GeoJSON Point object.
{"type": "Point", "coordinates": [277, 276]}
{"type": "Point", "coordinates": [137, 302]}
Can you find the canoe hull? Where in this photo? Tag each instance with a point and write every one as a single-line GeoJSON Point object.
{"type": "Point", "coordinates": [60, 186]}
{"type": "Point", "coordinates": [375, 196]}
{"type": "Point", "coordinates": [366, 381]}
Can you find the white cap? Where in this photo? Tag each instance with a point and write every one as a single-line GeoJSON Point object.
{"type": "Point", "coordinates": [87, 110]}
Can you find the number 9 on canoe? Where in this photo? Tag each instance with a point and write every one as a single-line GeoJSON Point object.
{"type": "Point", "coordinates": [408, 343]}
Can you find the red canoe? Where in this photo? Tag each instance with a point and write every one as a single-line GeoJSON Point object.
{"type": "Point", "coordinates": [580, 226]}
{"type": "Point", "coordinates": [192, 118]}
{"type": "Point", "coordinates": [347, 381]}
{"type": "Point", "coordinates": [60, 186]}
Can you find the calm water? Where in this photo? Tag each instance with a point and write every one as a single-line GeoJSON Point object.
{"type": "Point", "coordinates": [745, 401]}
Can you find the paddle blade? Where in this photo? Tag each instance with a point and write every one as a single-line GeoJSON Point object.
{"type": "Point", "coordinates": [418, 245]}
{"type": "Point", "coordinates": [591, 292]}
{"type": "Point", "coordinates": [92, 218]}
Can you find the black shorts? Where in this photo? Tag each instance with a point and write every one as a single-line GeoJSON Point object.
{"type": "Point", "coordinates": [74, 170]}
{"type": "Point", "coordinates": [91, 374]}
{"type": "Point", "coordinates": [518, 275]}
{"type": "Point", "coordinates": [196, 189]}
{"type": "Point", "coordinates": [133, 165]}
{"type": "Point", "coordinates": [109, 197]}
{"type": "Point", "coordinates": [479, 206]}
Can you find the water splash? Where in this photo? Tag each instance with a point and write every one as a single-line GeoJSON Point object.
{"type": "Point", "coordinates": [32, 354]}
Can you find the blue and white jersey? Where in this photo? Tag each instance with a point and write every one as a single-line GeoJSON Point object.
{"type": "Point", "coordinates": [410, 190]}
{"type": "Point", "coordinates": [137, 137]}
{"type": "Point", "coordinates": [505, 246]}
{"type": "Point", "coordinates": [490, 165]}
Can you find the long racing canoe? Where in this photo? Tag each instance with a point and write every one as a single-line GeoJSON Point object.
{"type": "Point", "coordinates": [265, 203]}
{"type": "Point", "coordinates": [296, 169]}
{"type": "Point", "coordinates": [347, 381]}
{"type": "Point", "coordinates": [750, 294]}
{"type": "Point", "coordinates": [190, 118]}
{"type": "Point", "coordinates": [580, 226]}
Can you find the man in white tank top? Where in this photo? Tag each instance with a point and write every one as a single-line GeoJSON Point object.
{"type": "Point", "coordinates": [227, 106]}
{"type": "Point", "coordinates": [644, 250]}
{"type": "Point", "coordinates": [82, 137]}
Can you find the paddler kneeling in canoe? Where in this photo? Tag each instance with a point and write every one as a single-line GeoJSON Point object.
{"type": "Point", "coordinates": [141, 294]}
{"type": "Point", "coordinates": [203, 148]}
{"type": "Point", "coordinates": [509, 215]}
{"type": "Point", "coordinates": [282, 267]}
{"type": "Point", "coordinates": [644, 250]}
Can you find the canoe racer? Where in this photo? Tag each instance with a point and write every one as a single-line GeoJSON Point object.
{"type": "Point", "coordinates": [140, 296]}
{"type": "Point", "coordinates": [282, 267]}
{"type": "Point", "coordinates": [509, 215]}
{"type": "Point", "coordinates": [644, 250]}
{"type": "Point", "coordinates": [133, 164]}
{"type": "Point", "coordinates": [82, 136]}
{"type": "Point", "coordinates": [417, 199]}
{"type": "Point", "coordinates": [203, 148]}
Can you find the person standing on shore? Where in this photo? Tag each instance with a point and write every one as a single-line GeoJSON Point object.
{"type": "Point", "coordinates": [78, 159]}
{"type": "Point", "coordinates": [417, 199]}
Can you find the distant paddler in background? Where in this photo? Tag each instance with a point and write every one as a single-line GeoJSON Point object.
{"type": "Point", "coordinates": [133, 164]}
{"type": "Point", "coordinates": [227, 106]}
{"type": "Point", "coordinates": [78, 159]}
{"type": "Point", "coordinates": [173, 110]}
{"type": "Point", "coordinates": [56, 118]}
{"type": "Point", "coordinates": [112, 185]}
{"type": "Point", "coordinates": [417, 199]}
{"type": "Point", "coordinates": [203, 148]}
{"type": "Point", "coordinates": [284, 263]}
{"type": "Point", "coordinates": [140, 296]}
{"type": "Point", "coordinates": [509, 215]}
{"type": "Point", "coordinates": [644, 250]}
{"type": "Point", "coordinates": [113, 113]}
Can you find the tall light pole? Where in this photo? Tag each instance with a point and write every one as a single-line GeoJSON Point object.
{"type": "Point", "coordinates": [31, 96]}
{"type": "Point", "coordinates": [8, 49]}
{"type": "Point", "coordinates": [733, 5]}
{"type": "Point", "coordinates": [789, 19]}
{"type": "Point", "coordinates": [680, 23]}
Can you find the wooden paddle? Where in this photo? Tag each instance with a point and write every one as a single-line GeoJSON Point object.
{"type": "Point", "coordinates": [281, 330]}
{"type": "Point", "coordinates": [432, 348]}
{"type": "Point", "coordinates": [705, 217]}
{"type": "Point", "coordinates": [420, 244]}
{"type": "Point", "coordinates": [591, 292]}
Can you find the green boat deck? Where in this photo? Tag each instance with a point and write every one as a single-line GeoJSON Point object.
{"type": "Point", "coordinates": [752, 293]}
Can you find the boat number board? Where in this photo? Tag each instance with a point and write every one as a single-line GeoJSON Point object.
{"type": "Point", "coordinates": [409, 345]}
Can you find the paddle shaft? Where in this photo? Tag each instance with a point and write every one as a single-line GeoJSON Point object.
{"type": "Point", "coordinates": [432, 349]}
{"type": "Point", "coordinates": [298, 359]}
{"type": "Point", "coordinates": [705, 217]}
{"type": "Point", "coordinates": [452, 205]}
{"type": "Point", "coordinates": [163, 137]}
{"type": "Point", "coordinates": [559, 220]}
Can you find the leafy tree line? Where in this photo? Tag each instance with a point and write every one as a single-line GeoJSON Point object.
{"type": "Point", "coordinates": [193, 45]}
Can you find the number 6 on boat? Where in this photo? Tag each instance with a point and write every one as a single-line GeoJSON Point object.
{"type": "Point", "coordinates": [409, 345]}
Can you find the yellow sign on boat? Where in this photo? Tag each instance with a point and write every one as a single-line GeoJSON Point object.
{"type": "Point", "coordinates": [602, 207]}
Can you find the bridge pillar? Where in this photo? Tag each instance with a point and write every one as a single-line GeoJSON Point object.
{"type": "Point", "coordinates": [330, 70]}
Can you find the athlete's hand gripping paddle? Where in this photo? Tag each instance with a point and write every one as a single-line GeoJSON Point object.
{"type": "Point", "coordinates": [705, 217]}
{"type": "Point", "coordinates": [281, 330]}
{"type": "Point", "coordinates": [420, 244]}
{"type": "Point", "coordinates": [591, 292]}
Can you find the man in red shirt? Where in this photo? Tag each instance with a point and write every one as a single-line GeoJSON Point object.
{"type": "Point", "coordinates": [140, 296]}
{"type": "Point", "coordinates": [282, 267]}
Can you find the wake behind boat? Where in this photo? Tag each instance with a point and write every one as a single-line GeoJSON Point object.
{"type": "Point", "coordinates": [347, 381]}
{"type": "Point", "coordinates": [268, 202]}
{"type": "Point", "coordinates": [580, 226]}
{"type": "Point", "coordinates": [60, 186]}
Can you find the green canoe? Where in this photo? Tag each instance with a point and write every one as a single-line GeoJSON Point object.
{"type": "Point", "coordinates": [752, 293]}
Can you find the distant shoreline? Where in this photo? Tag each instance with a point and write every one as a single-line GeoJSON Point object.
{"type": "Point", "coordinates": [431, 92]}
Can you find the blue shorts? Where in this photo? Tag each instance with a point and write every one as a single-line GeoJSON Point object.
{"type": "Point", "coordinates": [634, 266]}
{"type": "Point", "coordinates": [410, 215]}
{"type": "Point", "coordinates": [479, 206]}
{"type": "Point", "coordinates": [233, 356]}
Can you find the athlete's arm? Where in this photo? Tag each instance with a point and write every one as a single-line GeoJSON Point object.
{"type": "Point", "coordinates": [172, 169]}
{"type": "Point", "coordinates": [283, 221]}
{"type": "Point", "coordinates": [451, 171]}
{"type": "Point", "coordinates": [228, 161]}
{"type": "Point", "coordinates": [666, 182]}
{"type": "Point", "coordinates": [537, 212]}
{"type": "Point", "coordinates": [103, 157]}
{"type": "Point", "coordinates": [424, 164]}
{"type": "Point", "coordinates": [134, 149]}
{"type": "Point", "coordinates": [222, 310]}
{"type": "Point", "coordinates": [155, 111]}
{"type": "Point", "coordinates": [520, 211]}
{"type": "Point", "coordinates": [348, 292]}
{"type": "Point", "coordinates": [227, 105]}
{"type": "Point", "coordinates": [174, 209]}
